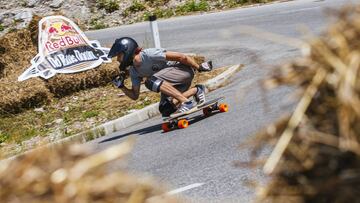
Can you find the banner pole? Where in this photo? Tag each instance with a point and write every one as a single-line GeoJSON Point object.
{"type": "Point", "coordinates": [155, 31]}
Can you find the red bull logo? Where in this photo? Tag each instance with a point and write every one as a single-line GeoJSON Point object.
{"type": "Point", "coordinates": [62, 35]}
{"type": "Point", "coordinates": [59, 29]}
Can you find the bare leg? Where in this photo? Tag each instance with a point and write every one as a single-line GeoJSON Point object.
{"type": "Point", "coordinates": [188, 93]}
{"type": "Point", "coordinates": [168, 89]}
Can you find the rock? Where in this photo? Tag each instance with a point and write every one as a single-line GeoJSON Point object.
{"type": "Point", "coordinates": [66, 109]}
{"type": "Point", "coordinates": [35, 141]}
{"type": "Point", "coordinates": [6, 22]}
{"type": "Point", "coordinates": [40, 110]}
{"type": "Point", "coordinates": [32, 3]}
{"type": "Point", "coordinates": [48, 125]}
{"type": "Point", "coordinates": [77, 125]}
{"type": "Point", "coordinates": [6, 16]}
{"type": "Point", "coordinates": [55, 135]}
{"type": "Point", "coordinates": [56, 3]}
{"type": "Point", "coordinates": [131, 110]}
{"type": "Point", "coordinates": [59, 121]}
{"type": "Point", "coordinates": [90, 121]}
{"type": "Point", "coordinates": [84, 10]}
{"type": "Point", "coordinates": [24, 16]}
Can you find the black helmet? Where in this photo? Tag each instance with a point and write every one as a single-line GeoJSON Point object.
{"type": "Point", "coordinates": [127, 46]}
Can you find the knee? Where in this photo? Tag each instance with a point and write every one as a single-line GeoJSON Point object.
{"type": "Point", "coordinates": [153, 83]}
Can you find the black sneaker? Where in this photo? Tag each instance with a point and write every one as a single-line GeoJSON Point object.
{"type": "Point", "coordinates": [200, 94]}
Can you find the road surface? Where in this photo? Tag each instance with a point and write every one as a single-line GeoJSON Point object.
{"type": "Point", "coordinates": [200, 158]}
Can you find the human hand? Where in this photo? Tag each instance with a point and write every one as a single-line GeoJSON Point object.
{"type": "Point", "coordinates": [206, 66]}
{"type": "Point", "coordinates": [118, 81]}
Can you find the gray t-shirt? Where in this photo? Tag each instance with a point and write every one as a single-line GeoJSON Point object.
{"type": "Point", "coordinates": [152, 61]}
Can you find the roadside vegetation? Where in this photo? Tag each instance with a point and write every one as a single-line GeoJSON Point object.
{"type": "Point", "coordinates": [191, 6]}
{"type": "Point", "coordinates": [140, 10]}
{"type": "Point", "coordinates": [109, 5]}
{"type": "Point", "coordinates": [97, 24]}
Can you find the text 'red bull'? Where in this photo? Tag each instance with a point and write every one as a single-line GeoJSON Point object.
{"type": "Point", "coordinates": [64, 42]}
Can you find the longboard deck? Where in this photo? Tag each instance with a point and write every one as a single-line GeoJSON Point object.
{"type": "Point", "coordinates": [196, 109]}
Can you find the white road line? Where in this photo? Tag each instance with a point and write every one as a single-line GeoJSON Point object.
{"type": "Point", "coordinates": [182, 189]}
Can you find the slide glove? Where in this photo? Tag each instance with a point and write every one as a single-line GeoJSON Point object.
{"type": "Point", "coordinates": [206, 66]}
{"type": "Point", "coordinates": [118, 81]}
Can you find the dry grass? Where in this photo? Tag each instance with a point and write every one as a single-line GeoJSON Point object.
{"type": "Point", "coordinates": [16, 52]}
{"type": "Point", "coordinates": [65, 84]}
{"type": "Point", "coordinates": [317, 153]}
{"type": "Point", "coordinates": [74, 174]}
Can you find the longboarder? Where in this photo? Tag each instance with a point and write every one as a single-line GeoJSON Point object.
{"type": "Point", "coordinates": [167, 72]}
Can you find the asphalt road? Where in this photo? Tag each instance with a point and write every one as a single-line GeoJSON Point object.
{"type": "Point", "coordinates": [205, 152]}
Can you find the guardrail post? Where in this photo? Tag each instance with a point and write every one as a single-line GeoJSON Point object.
{"type": "Point", "coordinates": [155, 31]}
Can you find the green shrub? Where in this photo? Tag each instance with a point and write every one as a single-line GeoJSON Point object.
{"type": "Point", "coordinates": [96, 24]}
{"type": "Point", "coordinates": [154, 3]}
{"type": "Point", "coordinates": [2, 28]}
{"type": "Point", "coordinates": [193, 6]}
{"type": "Point", "coordinates": [109, 5]}
{"type": "Point", "coordinates": [4, 137]}
{"type": "Point", "coordinates": [160, 13]}
{"type": "Point", "coordinates": [27, 134]}
{"type": "Point", "coordinates": [232, 3]}
{"type": "Point", "coordinates": [136, 7]}
{"type": "Point", "coordinates": [89, 114]}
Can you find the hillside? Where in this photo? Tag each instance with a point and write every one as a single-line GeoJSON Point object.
{"type": "Point", "coordinates": [97, 14]}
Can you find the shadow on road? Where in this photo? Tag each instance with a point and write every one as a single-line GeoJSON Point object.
{"type": "Point", "coordinates": [155, 128]}
{"type": "Point", "coordinates": [143, 131]}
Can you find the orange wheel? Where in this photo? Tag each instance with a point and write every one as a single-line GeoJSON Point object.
{"type": "Point", "coordinates": [165, 127]}
{"type": "Point", "coordinates": [183, 123]}
{"type": "Point", "coordinates": [223, 107]}
{"type": "Point", "coordinates": [207, 111]}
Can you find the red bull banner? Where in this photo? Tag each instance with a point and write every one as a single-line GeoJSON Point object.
{"type": "Point", "coordinates": [63, 48]}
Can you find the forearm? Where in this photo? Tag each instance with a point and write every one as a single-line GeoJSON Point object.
{"type": "Point", "coordinates": [182, 58]}
{"type": "Point", "coordinates": [130, 93]}
{"type": "Point", "coordinates": [187, 60]}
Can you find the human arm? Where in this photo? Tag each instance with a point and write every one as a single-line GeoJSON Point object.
{"type": "Point", "coordinates": [132, 93]}
{"type": "Point", "coordinates": [187, 60]}
{"type": "Point", "coordinates": [182, 58]}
